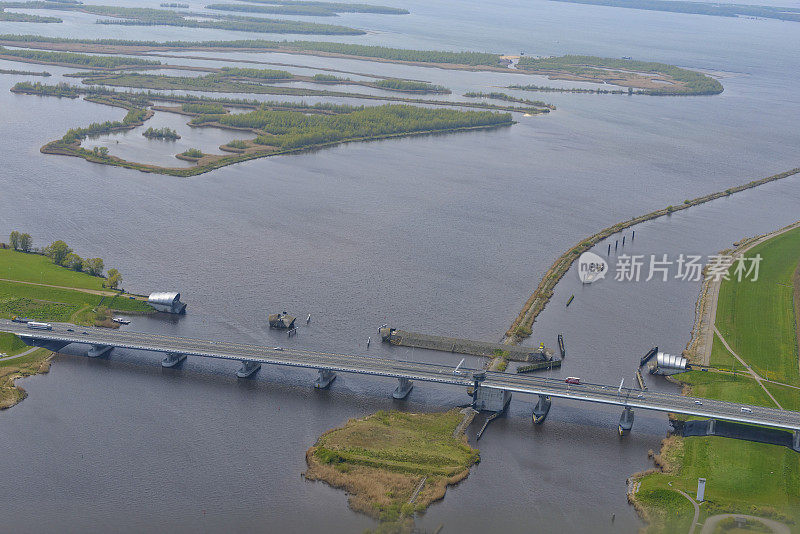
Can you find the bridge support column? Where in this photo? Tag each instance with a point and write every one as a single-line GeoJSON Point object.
{"type": "Point", "coordinates": [326, 376]}
{"type": "Point", "coordinates": [248, 369]}
{"type": "Point", "coordinates": [403, 388]}
{"type": "Point", "coordinates": [796, 440]}
{"type": "Point", "coordinates": [98, 350]}
{"type": "Point", "coordinates": [491, 400]}
{"type": "Point", "coordinates": [541, 409]}
{"type": "Point", "coordinates": [626, 421]}
{"type": "Point", "coordinates": [712, 426]}
{"type": "Point", "coordinates": [173, 359]}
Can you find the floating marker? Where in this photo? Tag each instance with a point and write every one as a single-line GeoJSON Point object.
{"type": "Point", "coordinates": [570, 300]}
{"type": "Point", "coordinates": [369, 339]}
{"type": "Point", "coordinates": [308, 319]}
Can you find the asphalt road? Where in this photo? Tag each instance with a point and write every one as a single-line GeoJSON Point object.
{"type": "Point", "coordinates": [588, 392]}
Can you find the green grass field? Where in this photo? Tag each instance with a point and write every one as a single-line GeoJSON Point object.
{"type": "Point", "coordinates": [40, 269]}
{"type": "Point", "coordinates": [742, 477]}
{"type": "Point", "coordinates": [757, 318]}
{"type": "Point", "coordinates": [11, 344]}
{"type": "Point", "coordinates": [758, 321]}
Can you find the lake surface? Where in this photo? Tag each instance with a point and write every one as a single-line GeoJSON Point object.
{"type": "Point", "coordinates": [441, 234]}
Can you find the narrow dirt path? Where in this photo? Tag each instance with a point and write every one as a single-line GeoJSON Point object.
{"type": "Point", "coordinates": [755, 375]}
{"type": "Point", "coordinates": [696, 510]}
{"type": "Point", "coordinates": [101, 292]}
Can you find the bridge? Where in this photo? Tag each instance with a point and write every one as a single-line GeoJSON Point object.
{"type": "Point", "coordinates": [491, 390]}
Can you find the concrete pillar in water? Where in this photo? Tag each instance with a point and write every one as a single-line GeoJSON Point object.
{"type": "Point", "coordinates": [541, 409]}
{"type": "Point", "coordinates": [490, 399]}
{"type": "Point", "coordinates": [609, 250]}
{"type": "Point", "coordinates": [248, 369]}
{"type": "Point", "coordinates": [623, 241]}
{"type": "Point", "coordinates": [98, 350]}
{"type": "Point", "coordinates": [626, 421]}
{"type": "Point", "coordinates": [173, 359]}
{"type": "Point", "coordinates": [616, 244]}
{"type": "Point", "coordinates": [403, 388]}
{"type": "Point", "coordinates": [324, 379]}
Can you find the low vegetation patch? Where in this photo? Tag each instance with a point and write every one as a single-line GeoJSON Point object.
{"type": "Point", "coordinates": [310, 8]}
{"type": "Point", "coordinates": [651, 77]}
{"type": "Point", "coordinates": [393, 464]}
{"type": "Point", "coordinates": [409, 86]}
{"type": "Point", "coordinates": [77, 60]}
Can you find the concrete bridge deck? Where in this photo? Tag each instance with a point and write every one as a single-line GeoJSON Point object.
{"type": "Point", "coordinates": [103, 340]}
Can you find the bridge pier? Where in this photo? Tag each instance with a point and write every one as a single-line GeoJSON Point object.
{"type": "Point", "coordinates": [541, 409]}
{"type": "Point", "coordinates": [796, 440]}
{"type": "Point", "coordinates": [403, 388]}
{"type": "Point", "coordinates": [625, 421]}
{"type": "Point", "coordinates": [99, 350]}
{"type": "Point", "coordinates": [326, 376]}
{"type": "Point", "coordinates": [712, 425]}
{"type": "Point", "coordinates": [173, 359]}
{"type": "Point", "coordinates": [491, 400]}
{"type": "Point", "coordinates": [248, 369]}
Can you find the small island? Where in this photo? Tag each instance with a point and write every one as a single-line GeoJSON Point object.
{"type": "Point", "coordinates": [161, 133]}
{"type": "Point", "coordinates": [393, 464]}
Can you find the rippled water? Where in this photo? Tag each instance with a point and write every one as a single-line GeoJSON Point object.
{"type": "Point", "coordinates": [442, 234]}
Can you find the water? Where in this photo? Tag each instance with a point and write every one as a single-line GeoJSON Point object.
{"type": "Point", "coordinates": [441, 234]}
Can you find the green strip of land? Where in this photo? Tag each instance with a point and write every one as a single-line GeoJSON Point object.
{"type": "Point", "coordinates": [758, 320]}
{"type": "Point", "coordinates": [715, 9]}
{"type": "Point", "coordinates": [145, 16]}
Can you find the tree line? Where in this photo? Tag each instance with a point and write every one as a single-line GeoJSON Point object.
{"type": "Point", "coordinates": [291, 129]}
{"type": "Point", "coordinates": [411, 86]}
{"type": "Point", "coordinates": [396, 54]}
{"type": "Point", "coordinates": [61, 254]}
{"type": "Point", "coordinates": [71, 58]}
{"type": "Point", "coordinates": [319, 9]}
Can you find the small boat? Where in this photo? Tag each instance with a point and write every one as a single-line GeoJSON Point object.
{"type": "Point", "coordinates": [121, 320]}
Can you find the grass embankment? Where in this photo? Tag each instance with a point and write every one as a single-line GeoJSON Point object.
{"type": "Point", "coordinates": [522, 325]}
{"type": "Point", "coordinates": [36, 288]}
{"type": "Point", "coordinates": [649, 77]}
{"type": "Point", "coordinates": [757, 319]}
{"type": "Point", "coordinates": [742, 477]}
{"type": "Point", "coordinates": [382, 460]}
{"type": "Point", "coordinates": [143, 16]}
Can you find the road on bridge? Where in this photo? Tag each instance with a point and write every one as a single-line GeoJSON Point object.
{"type": "Point", "coordinates": [349, 363]}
